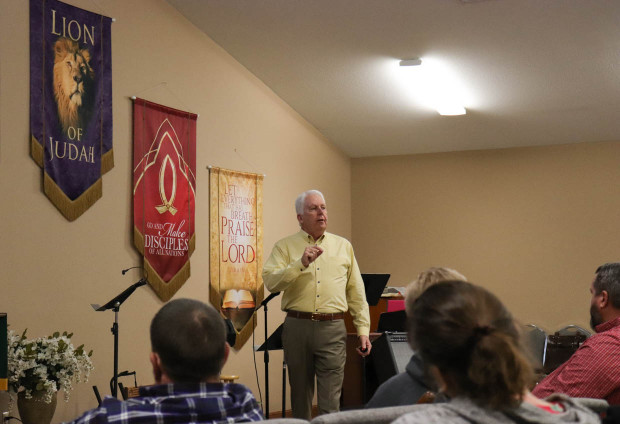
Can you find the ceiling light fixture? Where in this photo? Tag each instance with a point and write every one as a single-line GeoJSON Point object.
{"type": "Point", "coordinates": [410, 62]}
{"type": "Point", "coordinates": [431, 84]}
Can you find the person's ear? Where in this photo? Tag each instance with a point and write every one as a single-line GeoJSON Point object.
{"type": "Point", "coordinates": [604, 299]}
{"type": "Point", "coordinates": [156, 363]}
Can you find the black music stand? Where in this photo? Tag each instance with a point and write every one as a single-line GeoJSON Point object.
{"type": "Point", "coordinates": [374, 285]}
{"type": "Point", "coordinates": [115, 304]}
{"type": "Point", "coordinates": [395, 321]}
{"type": "Point", "coordinates": [274, 342]}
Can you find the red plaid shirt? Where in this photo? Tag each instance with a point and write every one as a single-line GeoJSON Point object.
{"type": "Point", "coordinates": [593, 371]}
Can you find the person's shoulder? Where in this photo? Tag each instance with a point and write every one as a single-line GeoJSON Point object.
{"type": "Point", "coordinates": [400, 389]}
{"type": "Point", "coordinates": [99, 415]}
{"type": "Point", "coordinates": [244, 399]}
{"type": "Point", "coordinates": [430, 414]}
{"type": "Point", "coordinates": [575, 409]}
{"type": "Point", "coordinates": [237, 387]}
{"type": "Point", "coordinates": [240, 392]}
{"type": "Point", "coordinates": [290, 238]}
{"type": "Point", "coordinates": [611, 333]}
{"type": "Point", "coordinates": [605, 343]}
{"type": "Point", "coordinates": [336, 238]}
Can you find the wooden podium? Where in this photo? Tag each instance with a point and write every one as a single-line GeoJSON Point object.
{"type": "Point", "coordinates": [353, 395]}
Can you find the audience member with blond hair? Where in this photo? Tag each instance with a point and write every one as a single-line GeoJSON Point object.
{"type": "Point", "coordinates": [471, 344]}
{"type": "Point", "coordinates": [408, 387]}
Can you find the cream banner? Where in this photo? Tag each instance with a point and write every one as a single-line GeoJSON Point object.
{"type": "Point", "coordinates": [236, 206]}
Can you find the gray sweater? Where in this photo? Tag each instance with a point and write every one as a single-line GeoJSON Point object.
{"type": "Point", "coordinates": [405, 388]}
{"type": "Point", "coordinates": [464, 411]}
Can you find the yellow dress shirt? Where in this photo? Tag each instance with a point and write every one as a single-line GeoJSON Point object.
{"type": "Point", "coordinates": [332, 283]}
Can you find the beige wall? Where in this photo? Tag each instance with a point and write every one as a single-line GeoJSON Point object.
{"type": "Point", "coordinates": [531, 224]}
{"type": "Point", "coordinates": [52, 270]}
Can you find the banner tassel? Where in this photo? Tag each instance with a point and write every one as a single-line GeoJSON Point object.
{"type": "Point", "coordinates": [107, 161]}
{"type": "Point", "coordinates": [72, 209]}
{"type": "Point", "coordinates": [166, 290]}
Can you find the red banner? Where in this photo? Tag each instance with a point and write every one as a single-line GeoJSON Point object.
{"type": "Point", "coordinates": [164, 190]}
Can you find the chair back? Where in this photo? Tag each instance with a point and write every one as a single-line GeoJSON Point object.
{"type": "Point", "coordinates": [365, 416]}
{"type": "Point", "coordinates": [535, 341]}
{"type": "Point", "coordinates": [560, 348]}
{"type": "Point", "coordinates": [132, 392]}
{"type": "Point", "coordinates": [573, 330]}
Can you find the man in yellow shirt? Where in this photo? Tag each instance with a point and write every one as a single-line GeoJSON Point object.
{"type": "Point", "coordinates": [320, 278]}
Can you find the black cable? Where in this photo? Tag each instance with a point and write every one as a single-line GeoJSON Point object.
{"type": "Point", "coordinates": [8, 418]}
{"type": "Point", "coordinates": [260, 393]}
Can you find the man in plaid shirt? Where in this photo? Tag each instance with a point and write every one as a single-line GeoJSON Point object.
{"type": "Point", "coordinates": [189, 349]}
{"type": "Point", "coordinates": [593, 371]}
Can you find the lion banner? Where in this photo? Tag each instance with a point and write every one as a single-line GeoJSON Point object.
{"type": "Point", "coordinates": [164, 193]}
{"type": "Point", "coordinates": [236, 254]}
{"type": "Point", "coordinates": [70, 102]}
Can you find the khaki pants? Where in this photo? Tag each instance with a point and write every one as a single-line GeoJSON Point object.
{"type": "Point", "coordinates": [314, 348]}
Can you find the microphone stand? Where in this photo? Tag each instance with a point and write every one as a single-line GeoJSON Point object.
{"type": "Point", "coordinates": [266, 353]}
{"type": "Point", "coordinates": [115, 305]}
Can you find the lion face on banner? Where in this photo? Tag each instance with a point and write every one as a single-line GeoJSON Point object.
{"type": "Point", "coordinates": [73, 77]}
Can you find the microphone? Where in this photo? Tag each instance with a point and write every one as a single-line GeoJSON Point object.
{"type": "Point", "coordinates": [126, 373]}
{"type": "Point", "coordinates": [125, 270]}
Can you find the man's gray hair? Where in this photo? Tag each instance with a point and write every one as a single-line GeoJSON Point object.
{"type": "Point", "coordinates": [299, 202]}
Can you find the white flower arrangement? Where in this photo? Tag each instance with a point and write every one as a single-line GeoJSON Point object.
{"type": "Point", "coordinates": [46, 364]}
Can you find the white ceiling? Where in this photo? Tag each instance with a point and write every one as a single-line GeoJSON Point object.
{"type": "Point", "coordinates": [540, 72]}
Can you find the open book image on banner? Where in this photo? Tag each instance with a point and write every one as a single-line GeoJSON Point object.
{"type": "Point", "coordinates": [70, 102]}
{"type": "Point", "coordinates": [164, 190]}
{"type": "Point", "coordinates": [236, 246]}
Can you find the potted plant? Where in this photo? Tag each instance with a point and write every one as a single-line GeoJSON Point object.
{"type": "Point", "coordinates": [39, 367]}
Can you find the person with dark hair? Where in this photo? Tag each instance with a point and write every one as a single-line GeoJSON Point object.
{"type": "Point", "coordinates": [188, 351]}
{"type": "Point", "coordinates": [409, 386]}
{"type": "Point", "coordinates": [594, 369]}
{"type": "Point", "coordinates": [471, 344]}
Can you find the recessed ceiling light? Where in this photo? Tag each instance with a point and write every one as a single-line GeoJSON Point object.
{"type": "Point", "coordinates": [431, 83]}
{"type": "Point", "coordinates": [411, 62]}
{"type": "Point", "coordinates": [451, 110]}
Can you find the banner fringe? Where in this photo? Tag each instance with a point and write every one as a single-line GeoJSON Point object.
{"type": "Point", "coordinates": [164, 290]}
{"type": "Point", "coordinates": [36, 151]}
{"type": "Point", "coordinates": [107, 161]}
{"type": "Point", "coordinates": [71, 209]}
{"type": "Point", "coordinates": [138, 240]}
{"type": "Point", "coordinates": [192, 245]}
{"type": "Point", "coordinates": [245, 333]}
{"type": "Point", "coordinates": [215, 298]}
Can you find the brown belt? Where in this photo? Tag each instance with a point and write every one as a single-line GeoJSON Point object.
{"type": "Point", "coordinates": [315, 316]}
